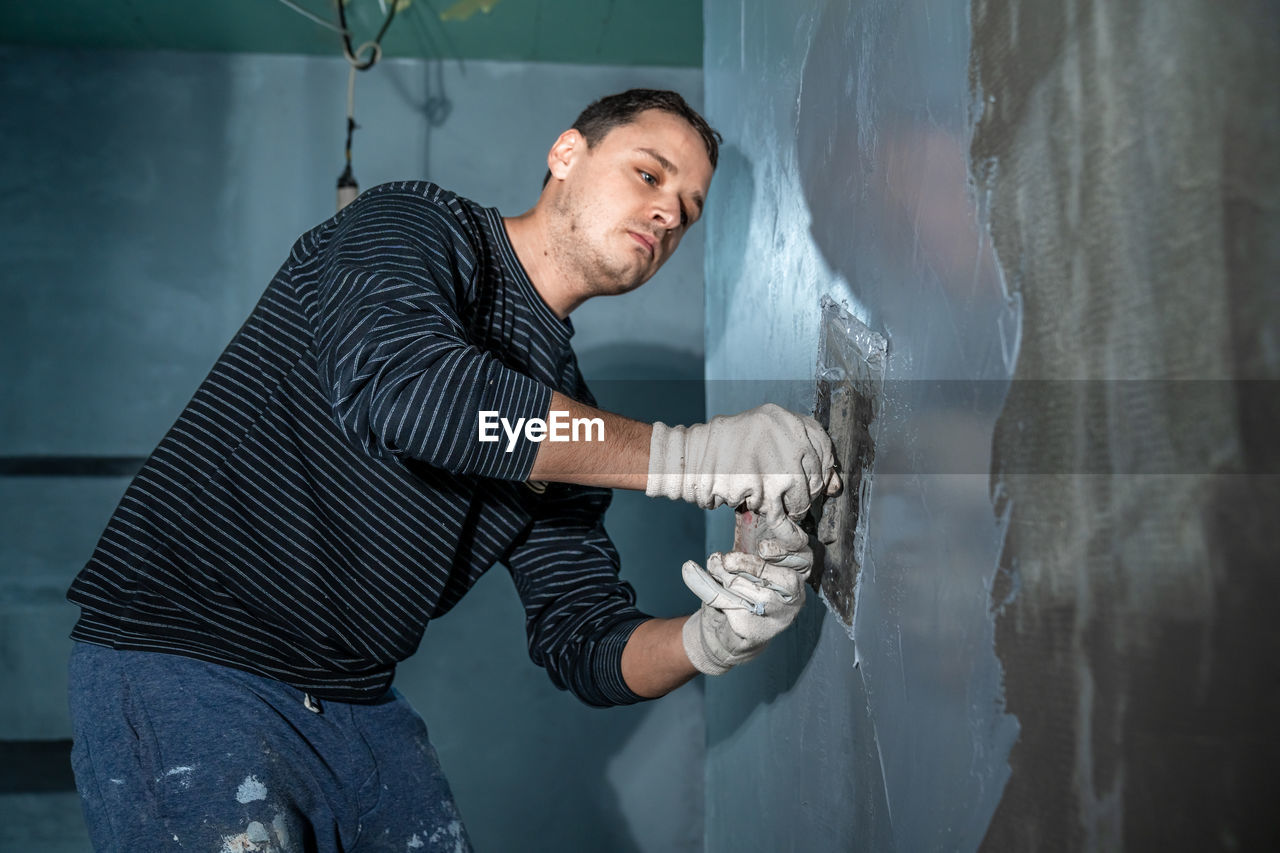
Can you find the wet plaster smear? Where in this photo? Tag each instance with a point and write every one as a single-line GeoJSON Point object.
{"type": "Point", "coordinates": [1061, 216]}
{"type": "Point", "coordinates": [1130, 153]}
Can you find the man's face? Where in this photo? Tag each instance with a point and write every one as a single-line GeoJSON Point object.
{"type": "Point", "coordinates": [623, 205]}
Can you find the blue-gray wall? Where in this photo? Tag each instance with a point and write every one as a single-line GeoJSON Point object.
{"type": "Point", "coordinates": [847, 174]}
{"type": "Point", "coordinates": [145, 201]}
{"type": "Point", "coordinates": [1062, 215]}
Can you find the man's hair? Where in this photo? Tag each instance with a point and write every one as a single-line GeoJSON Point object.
{"type": "Point", "coordinates": [595, 122]}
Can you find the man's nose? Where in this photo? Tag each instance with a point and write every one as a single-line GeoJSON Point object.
{"type": "Point", "coordinates": [667, 213]}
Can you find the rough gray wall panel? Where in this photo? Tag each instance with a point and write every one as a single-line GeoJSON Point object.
{"type": "Point", "coordinates": [1130, 155]}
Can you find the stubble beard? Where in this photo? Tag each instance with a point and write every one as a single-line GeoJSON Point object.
{"type": "Point", "coordinates": [596, 271]}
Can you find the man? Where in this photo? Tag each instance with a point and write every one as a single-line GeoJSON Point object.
{"type": "Point", "coordinates": [331, 488]}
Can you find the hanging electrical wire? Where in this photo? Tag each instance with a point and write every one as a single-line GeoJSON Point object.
{"type": "Point", "coordinates": [311, 16]}
{"type": "Point", "coordinates": [348, 187]}
{"type": "Point", "coordinates": [353, 58]}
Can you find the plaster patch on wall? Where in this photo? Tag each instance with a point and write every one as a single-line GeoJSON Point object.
{"type": "Point", "coordinates": [1128, 154]}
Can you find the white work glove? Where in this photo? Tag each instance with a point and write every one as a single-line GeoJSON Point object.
{"type": "Point", "coordinates": [747, 598]}
{"type": "Point", "coordinates": [768, 458]}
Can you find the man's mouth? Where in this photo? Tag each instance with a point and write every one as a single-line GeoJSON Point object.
{"type": "Point", "coordinates": [644, 240]}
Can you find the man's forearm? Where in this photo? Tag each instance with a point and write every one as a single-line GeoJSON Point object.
{"type": "Point", "coordinates": [620, 461]}
{"type": "Point", "coordinates": [654, 661]}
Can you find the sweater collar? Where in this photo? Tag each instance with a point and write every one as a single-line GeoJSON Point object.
{"type": "Point", "coordinates": [560, 330]}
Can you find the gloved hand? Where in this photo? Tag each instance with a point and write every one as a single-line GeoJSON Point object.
{"type": "Point", "coordinates": [747, 598]}
{"type": "Point", "coordinates": [772, 460]}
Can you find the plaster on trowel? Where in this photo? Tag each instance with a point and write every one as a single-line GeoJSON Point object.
{"type": "Point", "coordinates": [850, 383]}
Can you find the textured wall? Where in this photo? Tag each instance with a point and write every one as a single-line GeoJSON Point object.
{"type": "Point", "coordinates": [1130, 155]}
{"type": "Point", "coordinates": [846, 173]}
{"type": "Point", "coordinates": [1062, 215]}
{"type": "Point", "coordinates": [145, 201]}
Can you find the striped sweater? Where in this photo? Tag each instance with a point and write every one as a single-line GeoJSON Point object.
{"type": "Point", "coordinates": [324, 496]}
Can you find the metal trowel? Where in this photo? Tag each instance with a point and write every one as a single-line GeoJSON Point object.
{"type": "Point", "coordinates": [850, 385]}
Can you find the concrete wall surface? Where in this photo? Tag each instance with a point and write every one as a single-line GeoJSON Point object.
{"type": "Point", "coordinates": [1129, 152]}
{"type": "Point", "coordinates": [1062, 216]}
{"type": "Point", "coordinates": [145, 201]}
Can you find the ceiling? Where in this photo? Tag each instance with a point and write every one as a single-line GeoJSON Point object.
{"type": "Point", "coordinates": [614, 32]}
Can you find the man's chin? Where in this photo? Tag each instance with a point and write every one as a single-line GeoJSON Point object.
{"type": "Point", "coordinates": [623, 281]}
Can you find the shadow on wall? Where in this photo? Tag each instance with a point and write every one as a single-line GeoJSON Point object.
{"type": "Point", "coordinates": [765, 686]}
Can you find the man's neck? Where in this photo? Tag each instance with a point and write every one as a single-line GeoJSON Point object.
{"type": "Point", "coordinates": [530, 240]}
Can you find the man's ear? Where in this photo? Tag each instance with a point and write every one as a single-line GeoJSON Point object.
{"type": "Point", "coordinates": [566, 149]}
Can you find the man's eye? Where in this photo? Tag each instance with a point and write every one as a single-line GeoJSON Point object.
{"type": "Point", "coordinates": [647, 178]}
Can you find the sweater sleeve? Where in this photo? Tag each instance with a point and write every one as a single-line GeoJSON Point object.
{"type": "Point", "coordinates": [579, 613]}
{"type": "Point", "coordinates": [392, 349]}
